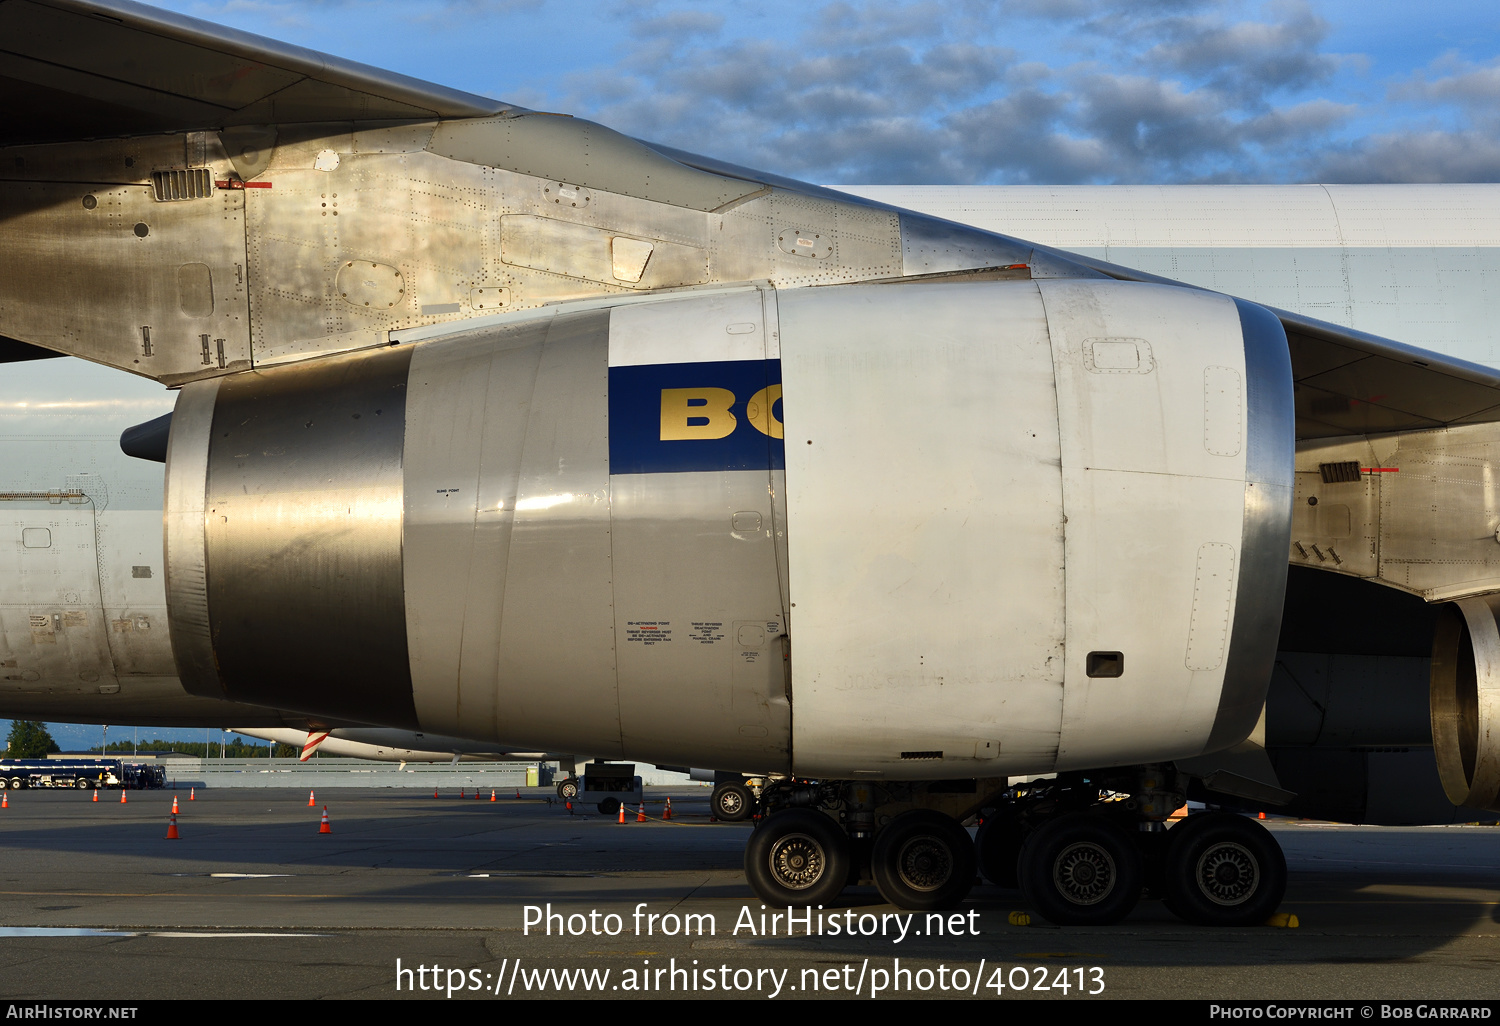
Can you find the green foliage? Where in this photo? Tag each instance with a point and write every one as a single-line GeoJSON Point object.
{"type": "Point", "coordinates": [29, 739]}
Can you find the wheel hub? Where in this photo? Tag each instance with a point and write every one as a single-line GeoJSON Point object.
{"type": "Point", "coordinates": [729, 802]}
{"type": "Point", "coordinates": [1228, 874]}
{"type": "Point", "coordinates": [797, 861]}
{"type": "Point", "coordinates": [1084, 873]}
{"type": "Point", "coordinates": [924, 863]}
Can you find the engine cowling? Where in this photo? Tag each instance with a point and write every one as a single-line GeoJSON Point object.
{"type": "Point", "coordinates": [1465, 701]}
{"type": "Point", "coordinates": [1019, 526]}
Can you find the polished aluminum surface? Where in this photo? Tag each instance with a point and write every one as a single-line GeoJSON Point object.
{"type": "Point", "coordinates": [302, 538]}
{"type": "Point", "coordinates": [184, 519]}
{"type": "Point", "coordinates": [1465, 702]}
{"type": "Point", "coordinates": [1421, 516]}
{"type": "Point", "coordinates": [1268, 524]}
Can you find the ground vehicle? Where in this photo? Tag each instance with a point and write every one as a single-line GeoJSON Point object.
{"type": "Point", "coordinates": [80, 773]}
{"type": "Point", "coordinates": [610, 785]}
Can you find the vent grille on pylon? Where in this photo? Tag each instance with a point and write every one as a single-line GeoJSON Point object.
{"type": "Point", "coordinates": [182, 184]}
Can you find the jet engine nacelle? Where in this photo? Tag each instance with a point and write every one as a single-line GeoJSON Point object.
{"type": "Point", "coordinates": [1465, 701]}
{"type": "Point", "coordinates": [1018, 526]}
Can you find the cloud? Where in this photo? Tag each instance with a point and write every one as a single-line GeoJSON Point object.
{"type": "Point", "coordinates": [972, 91]}
{"type": "Point", "coordinates": [1434, 156]}
{"type": "Point", "coordinates": [1171, 90]}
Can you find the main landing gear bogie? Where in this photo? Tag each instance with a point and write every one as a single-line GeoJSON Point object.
{"type": "Point", "coordinates": [1089, 863]}
{"type": "Point", "coordinates": [1081, 855]}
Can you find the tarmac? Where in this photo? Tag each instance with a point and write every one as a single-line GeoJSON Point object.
{"type": "Point", "coordinates": [252, 901]}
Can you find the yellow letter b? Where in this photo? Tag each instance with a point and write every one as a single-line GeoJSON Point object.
{"type": "Point", "coordinates": [696, 413]}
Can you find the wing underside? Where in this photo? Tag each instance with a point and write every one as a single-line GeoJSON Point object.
{"type": "Point", "coordinates": [86, 69]}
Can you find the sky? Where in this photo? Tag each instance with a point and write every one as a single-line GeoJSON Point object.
{"type": "Point", "coordinates": [967, 91]}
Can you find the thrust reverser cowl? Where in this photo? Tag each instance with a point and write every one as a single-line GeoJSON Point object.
{"type": "Point", "coordinates": [1018, 526]}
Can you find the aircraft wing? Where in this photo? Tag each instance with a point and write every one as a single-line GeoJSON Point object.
{"type": "Point", "coordinates": [85, 69]}
{"type": "Point", "coordinates": [1349, 382]}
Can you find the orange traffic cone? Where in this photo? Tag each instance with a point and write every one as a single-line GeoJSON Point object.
{"type": "Point", "coordinates": [477, 795]}
{"type": "Point", "coordinates": [434, 792]}
{"type": "Point", "coordinates": [174, 805]}
{"type": "Point", "coordinates": [310, 802]}
{"type": "Point", "coordinates": [1261, 816]}
{"type": "Point", "coordinates": [122, 796]}
{"type": "Point", "coordinates": [96, 794]}
{"type": "Point", "coordinates": [172, 826]}
{"type": "Point", "coordinates": [640, 813]}
{"type": "Point", "coordinates": [323, 828]}
{"type": "Point", "coordinates": [667, 812]}
{"type": "Point", "coordinates": [460, 792]}
{"type": "Point", "coordinates": [4, 800]}
{"type": "Point", "coordinates": [518, 792]}
{"type": "Point", "coordinates": [622, 813]}
{"type": "Point", "coordinates": [570, 806]}
{"type": "Point", "coordinates": [192, 793]}
{"type": "Point", "coordinates": [492, 795]}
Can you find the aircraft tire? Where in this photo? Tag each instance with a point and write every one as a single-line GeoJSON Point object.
{"type": "Point", "coordinates": [1223, 870]}
{"type": "Point", "coordinates": [923, 861]}
{"type": "Point", "coordinates": [732, 802]}
{"type": "Point", "coordinates": [1080, 870]}
{"type": "Point", "coordinates": [998, 847]}
{"type": "Point", "coordinates": [797, 857]}
{"type": "Point", "coordinates": [567, 789]}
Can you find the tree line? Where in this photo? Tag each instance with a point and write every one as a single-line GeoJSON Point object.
{"type": "Point", "coordinates": [30, 739]}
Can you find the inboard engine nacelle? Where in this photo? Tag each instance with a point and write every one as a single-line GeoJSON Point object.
{"type": "Point", "coordinates": [1017, 526]}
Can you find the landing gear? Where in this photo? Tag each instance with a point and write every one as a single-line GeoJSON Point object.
{"type": "Point", "coordinates": [998, 847]}
{"type": "Point", "coordinates": [1222, 870]}
{"type": "Point", "coordinates": [923, 860]}
{"type": "Point", "coordinates": [1080, 869]}
{"type": "Point", "coordinates": [731, 802]}
{"type": "Point", "coordinates": [797, 857]}
{"type": "Point", "coordinates": [567, 789]}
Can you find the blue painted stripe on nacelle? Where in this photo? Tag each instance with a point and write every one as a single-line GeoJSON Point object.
{"type": "Point", "coordinates": [683, 417]}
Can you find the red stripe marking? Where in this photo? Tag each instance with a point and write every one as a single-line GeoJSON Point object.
{"type": "Point", "coordinates": [1380, 470]}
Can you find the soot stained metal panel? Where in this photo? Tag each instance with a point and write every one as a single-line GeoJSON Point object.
{"type": "Point", "coordinates": [303, 537]}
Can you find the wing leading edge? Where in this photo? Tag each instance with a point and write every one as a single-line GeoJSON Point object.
{"type": "Point", "coordinates": [83, 69]}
